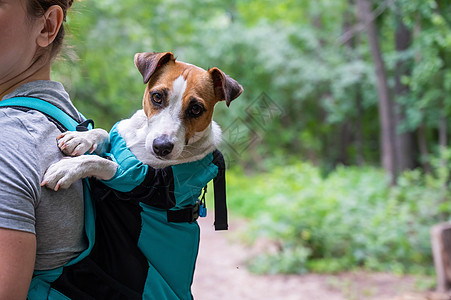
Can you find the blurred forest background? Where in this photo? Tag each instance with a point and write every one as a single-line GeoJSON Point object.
{"type": "Point", "coordinates": [338, 148]}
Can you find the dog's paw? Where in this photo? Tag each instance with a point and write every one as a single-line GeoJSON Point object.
{"type": "Point", "coordinates": [76, 143]}
{"type": "Point", "coordinates": [65, 172]}
{"type": "Point", "coordinates": [62, 174]}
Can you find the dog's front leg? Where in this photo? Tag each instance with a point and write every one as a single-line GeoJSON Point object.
{"type": "Point", "coordinates": [65, 172]}
{"type": "Point", "coordinates": [75, 143]}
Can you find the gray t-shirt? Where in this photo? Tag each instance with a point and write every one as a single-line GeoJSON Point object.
{"type": "Point", "coordinates": [27, 148]}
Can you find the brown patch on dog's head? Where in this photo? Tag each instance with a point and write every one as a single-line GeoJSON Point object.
{"type": "Point", "coordinates": [199, 95]}
{"type": "Point", "coordinates": [226, 88]}
{"type": "Point", "coordinates": [150, 65]}
{"type": "Point", "coordinates": [205, 89]}
{"type": "Point", "coordinates": [149, 62]}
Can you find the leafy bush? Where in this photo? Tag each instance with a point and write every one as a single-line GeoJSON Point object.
{"type": "Point", "coordinates": [351, 218]}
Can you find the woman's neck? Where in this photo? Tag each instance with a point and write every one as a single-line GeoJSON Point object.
{"type": "Point", "coordinates": [34, 73]}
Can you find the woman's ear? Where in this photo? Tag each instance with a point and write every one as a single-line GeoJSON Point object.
{"type": "Point", "coordinates": [52, 21]}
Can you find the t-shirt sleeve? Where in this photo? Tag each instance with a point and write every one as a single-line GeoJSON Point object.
{"type": "Point", "coordinates": [19, 175]}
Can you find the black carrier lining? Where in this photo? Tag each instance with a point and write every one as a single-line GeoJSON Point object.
{"type": "Point", "coordinates": [116, 268]}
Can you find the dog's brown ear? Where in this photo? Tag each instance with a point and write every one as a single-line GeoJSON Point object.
{"type": "Point", "coordinates": [226, 88]}
{"type": "Point", "coordinates": [148, 62]}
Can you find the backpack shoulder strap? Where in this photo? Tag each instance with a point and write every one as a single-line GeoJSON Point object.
{"type": "Point", "coordinates": [219, 184]}
{"type": "Point", "coordinates": [43, 106]}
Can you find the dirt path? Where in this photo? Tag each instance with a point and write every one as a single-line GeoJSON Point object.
{"type": "Point", "coordinates": [221, 275]}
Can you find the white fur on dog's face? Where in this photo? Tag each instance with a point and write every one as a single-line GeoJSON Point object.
{"type": "Point", "coordinates": [168, 122]}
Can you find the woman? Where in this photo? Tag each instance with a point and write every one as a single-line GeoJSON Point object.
{"type": "Point", "coordinates": [39, 229]}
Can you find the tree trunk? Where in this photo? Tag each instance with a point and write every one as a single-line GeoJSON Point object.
{"type": "Point", "coordinates": [359, 125]}
{"type": "Point", "coordinates": [424, 151]}
{"type": "Point", "coordinates": [405, 154]}
{"type": "Point", "coordinates": [387, 135]}
{"type": "Point", "coordinates": [343, 141]}
{"type": "Point", "coordinates": [350, 43]}
{"type": "Point", "coordinates": [422, 131]}
{"type": "Point", "coordinates": [443, 119]}
{"type": "Point", "coordinates": [443, 131]}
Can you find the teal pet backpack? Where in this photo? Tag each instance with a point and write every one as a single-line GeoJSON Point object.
{"type": "Point", "coordinates": [141, 225]}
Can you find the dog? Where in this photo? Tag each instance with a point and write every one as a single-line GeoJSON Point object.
{"type": "Point", "coordinates": [159, 160]}
{"type": "Point", "coordinates": [174, 126]}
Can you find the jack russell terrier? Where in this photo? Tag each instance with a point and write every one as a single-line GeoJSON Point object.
{"type": "Point", "coordinates": [175, 125]}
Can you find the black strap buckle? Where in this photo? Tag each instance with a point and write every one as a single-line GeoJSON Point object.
{"type": "Point", "coordinates": [188, 214]}
{"type": "Point", "coordinates": [195, 212]}
{"type": "Point", "coordinates": [85, 125]}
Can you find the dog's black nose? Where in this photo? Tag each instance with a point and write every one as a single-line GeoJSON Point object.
{"type": "Point", "coordinates": [162, 146]}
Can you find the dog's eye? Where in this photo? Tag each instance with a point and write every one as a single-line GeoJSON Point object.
{"type": "Point", "coordinates": [156, 97]}
{"type": "Point", "coordinates": [196, 110]}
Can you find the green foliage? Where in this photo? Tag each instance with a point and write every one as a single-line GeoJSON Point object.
{"type": "Point", "coordinates": [311, 62]}
{"type": "Point", "coordinates": [308, 57]}
{"type": "Point", "coordinates": [350, 219]}
{"type": "Point", "coordinates": [287, 50]}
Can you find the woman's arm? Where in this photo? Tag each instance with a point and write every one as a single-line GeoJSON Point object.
{"type": "Point", "coordinates": [17, 257]}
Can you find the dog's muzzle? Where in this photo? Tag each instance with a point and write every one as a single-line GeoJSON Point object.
{"type": "Point", "coordinates": [162, 146]}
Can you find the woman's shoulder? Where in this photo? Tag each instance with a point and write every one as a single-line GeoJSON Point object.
{"type": "Point", "coordinates": [28, 135]}
{"type": "Point", "coordinates": [18, 123]}
{"type": "Point", "coordinates": [14, 121]}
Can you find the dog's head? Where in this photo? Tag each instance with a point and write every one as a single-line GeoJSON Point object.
{"type": "Point", "coordinates": [179, 100]}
